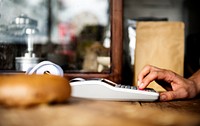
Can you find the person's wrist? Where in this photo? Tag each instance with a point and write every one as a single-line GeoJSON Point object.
{"type": "Point", "coordinates": [196, 83]}
{"type": "Point", "coordinates": [198, 88]}
{"type": "Point", "coordinates": [196, 78]}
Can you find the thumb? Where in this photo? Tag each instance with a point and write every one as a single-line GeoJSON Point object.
{"type": "Point", "coordinates": [169, 95]}
{"type": "Point", "coordinates": [177, 94]}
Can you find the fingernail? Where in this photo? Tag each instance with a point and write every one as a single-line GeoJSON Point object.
{"type": "Point", "coordinates": [163, 97]}
{"type": "Point", "coordinates": [138, 83]}
{"type": "Point", "coordinates": [141, 86]}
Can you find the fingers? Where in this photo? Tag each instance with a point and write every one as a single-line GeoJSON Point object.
{"type": "Point", "coordinates": [144, 72]}
{"type": "Point", "coordinates": [177, 86]}
{"type": "Point", "coordinates": [172, 95]}
{"type": "Point", "coordinates": [149, 78]}
{"type": "Point", "coordinates": [148, 74]}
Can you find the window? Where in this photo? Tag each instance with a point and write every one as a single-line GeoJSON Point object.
{"type": "Point", "coordinates": [83, 37]}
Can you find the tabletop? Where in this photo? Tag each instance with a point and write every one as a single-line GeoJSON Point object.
{"type": "Point", "coordinates": [82, 112]}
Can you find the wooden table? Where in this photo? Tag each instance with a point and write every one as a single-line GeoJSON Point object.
{"type": "Point", "coordinates": [81, 112]}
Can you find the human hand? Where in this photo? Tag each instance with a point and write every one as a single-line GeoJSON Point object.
{"type": "Point", "coordinates": [177, 86]}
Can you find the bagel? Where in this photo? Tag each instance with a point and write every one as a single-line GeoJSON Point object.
{"type": "Point", "coordinates": [27, 90]}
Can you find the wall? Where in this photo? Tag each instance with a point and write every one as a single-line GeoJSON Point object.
{"type": "Point", "coordinates": [173, 10]}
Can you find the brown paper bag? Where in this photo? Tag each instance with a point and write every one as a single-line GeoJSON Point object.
{"type": "Point", "coordinates": [160, 44]}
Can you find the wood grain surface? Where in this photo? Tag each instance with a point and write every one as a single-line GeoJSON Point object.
{"type": "Point", "coordinates": [81, 112]}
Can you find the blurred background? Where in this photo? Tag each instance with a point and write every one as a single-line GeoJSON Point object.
{"type": "Point", "coordinates": [75, 34]}
{"type": "Point", "coordinates": [163, 10]}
